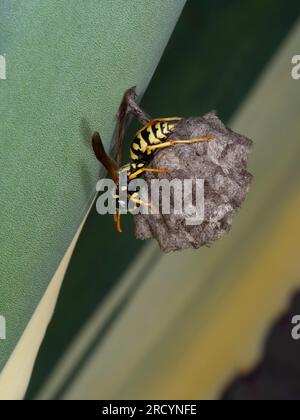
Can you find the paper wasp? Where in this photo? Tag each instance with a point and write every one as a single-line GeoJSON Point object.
{"type": "Point", "coordinates": [153, 136]}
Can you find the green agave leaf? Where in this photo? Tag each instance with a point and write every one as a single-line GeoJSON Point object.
{"type": "Point", "coordinates": [67, 65]}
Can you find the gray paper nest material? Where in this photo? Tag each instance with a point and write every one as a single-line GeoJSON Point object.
{"type": "Point", "coordinates": [221, 162]}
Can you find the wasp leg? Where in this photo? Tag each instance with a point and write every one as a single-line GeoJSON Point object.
{"type": "Point", "coordinates": [140, 171]}
{"type": "Point", "coordinates": [140, 202]}
{"type": "Point", "coordinates": [174, 142]}
{"type": "Point", "coordinates": [117, 220]}
{"type": "Point", "coordinates": [166, 119]}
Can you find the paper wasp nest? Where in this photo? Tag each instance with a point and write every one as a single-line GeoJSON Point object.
{"type": "Point", "coordinates": [221, 163]}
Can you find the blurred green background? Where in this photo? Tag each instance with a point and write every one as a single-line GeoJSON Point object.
{"type": "Point", "coordinates": [216, 55]}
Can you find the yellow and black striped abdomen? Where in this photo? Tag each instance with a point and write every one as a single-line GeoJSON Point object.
{"type": "Point", "coordinates": [153, 133]}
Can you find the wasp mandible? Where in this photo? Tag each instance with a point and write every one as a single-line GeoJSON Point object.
{"type": "Point", "coordinates": [152, 137]}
